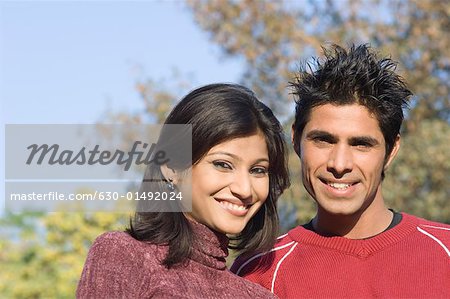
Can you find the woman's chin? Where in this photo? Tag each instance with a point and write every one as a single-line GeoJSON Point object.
{"type": "Point", "coordinates": [230, 229]}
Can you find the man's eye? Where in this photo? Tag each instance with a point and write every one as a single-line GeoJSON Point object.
{"type": "Point", "coordinates": [363, 145]}
{"type": "Point", "coordinates": [222, 165]}
{"type": "Point", "coordinates": [321, 141]}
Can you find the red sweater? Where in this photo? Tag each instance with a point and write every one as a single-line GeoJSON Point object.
{"type": "Point", "coordinates": [119, 266]}
{"type": "Point", "coordinates": [411, 260]}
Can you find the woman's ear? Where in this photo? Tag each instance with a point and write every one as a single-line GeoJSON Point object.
{"type": "Point", "coordinates": [169, 174]}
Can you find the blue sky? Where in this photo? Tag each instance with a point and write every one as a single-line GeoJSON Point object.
{"type": "Point", "coordinates": [66, 62]}
{"type": "Point", "coordinates": [71, 61]}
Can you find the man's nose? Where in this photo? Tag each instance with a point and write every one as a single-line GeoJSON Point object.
{"type": "Point", "coordinates": [340, 160]}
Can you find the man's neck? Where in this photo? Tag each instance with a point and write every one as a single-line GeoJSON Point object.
{"type": "Point", "coordinates": [356, 226]}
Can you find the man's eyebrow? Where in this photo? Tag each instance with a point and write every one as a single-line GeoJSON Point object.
{"type": "Point", "coordinates": [322, 135]}
{"type": "Point", "coordinates": [364, 140]}
{"type": "Point", "coordinates": [327, 136]}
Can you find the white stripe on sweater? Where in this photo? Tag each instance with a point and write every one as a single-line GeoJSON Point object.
{"type": "Point", "coordinates": [282, 236]}
{"type": "Point", "coordinates": [435, 239]}
{"type": "Point", "coordinates": [279, 264]}
{"type": "Point", "coordinates": [438, 227]}
{"type": "Point", "coordinates": [261, 254]}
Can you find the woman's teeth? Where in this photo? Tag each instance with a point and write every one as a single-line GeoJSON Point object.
{"type": "Point", "coordinates": [232, 206]}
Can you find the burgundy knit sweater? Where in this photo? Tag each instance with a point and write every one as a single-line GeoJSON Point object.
{"type": "Point", "coordinates": [118, 266]}
{"type": "Point", "coordinates": [411, 260]}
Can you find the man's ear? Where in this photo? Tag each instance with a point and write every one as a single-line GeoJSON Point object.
{"type": "Point", "coordinates": [169, 174]}
{"type": "Point", "coordinates": [296, 146]}
{"type": "Point", "coordinates": [393, 153]}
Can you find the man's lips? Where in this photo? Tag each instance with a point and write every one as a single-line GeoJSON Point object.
{"type": "Point", "coordinates": [339, 185]}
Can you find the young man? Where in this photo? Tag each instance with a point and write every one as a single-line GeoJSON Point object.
{"type": "Point", "coordinates": [346, 133]}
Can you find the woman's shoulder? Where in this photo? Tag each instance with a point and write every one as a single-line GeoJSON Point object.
{"type": "Point", "coordinates": [119, 242]}
{"type": "Point", "coordinates": [114, 238]}
{"type": "Point", "coordinates": [117, 265]}
{"type": "Point", "coordinates": [111, 242]}
{"type": "Point", "coordinates": [118, 252]}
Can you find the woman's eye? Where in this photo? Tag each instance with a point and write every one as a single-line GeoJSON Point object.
{"type": "Point", "coordinates": [260, 171]}
{"type": "Point", "coordinates": [222, 165]}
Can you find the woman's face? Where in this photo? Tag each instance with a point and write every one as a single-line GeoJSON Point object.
{"type": "Point", "coordinates": [230, 184]}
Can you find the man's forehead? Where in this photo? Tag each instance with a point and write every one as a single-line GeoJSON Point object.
{"type": "Point", "coordinates": [347, 120]}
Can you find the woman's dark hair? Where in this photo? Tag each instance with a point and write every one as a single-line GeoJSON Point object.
{"type": "Point", "coordinates": [217, 113]}
{"type": "Point", "coordinates": [351, 76]}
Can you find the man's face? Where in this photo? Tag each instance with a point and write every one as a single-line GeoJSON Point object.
{"type": "Point", "coordinates": [342, 151]}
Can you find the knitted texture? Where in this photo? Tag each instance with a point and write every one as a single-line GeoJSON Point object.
{"type": "Point", "coordinates": [118, 266]}
{"type": "Point", "coordinates": [411, 260]}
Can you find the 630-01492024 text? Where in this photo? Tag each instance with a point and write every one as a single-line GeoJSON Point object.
{"type": "Point", "coordinates": [97, 195]}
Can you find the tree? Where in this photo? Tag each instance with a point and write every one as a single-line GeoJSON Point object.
{"type": "Point", "coordinates": [45, 257]}
{"type": "Point", "coordinates": [273, 37]}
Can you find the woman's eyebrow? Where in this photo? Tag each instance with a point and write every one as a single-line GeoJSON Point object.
{"type": "Point", "coordinates": [263, 159]}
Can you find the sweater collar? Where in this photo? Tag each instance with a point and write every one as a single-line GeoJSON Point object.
{"type": "Point", "coordinates": [210, 248]}
{"type": "Point", "coordinates": [360, 248]}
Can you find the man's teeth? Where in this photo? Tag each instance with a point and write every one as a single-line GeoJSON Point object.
{"type": "Point", "coordinates": [341, 186]}
{"type": "Point", "coordinates": [232, 206]}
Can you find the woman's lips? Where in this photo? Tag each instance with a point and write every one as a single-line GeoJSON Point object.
{"type": "Point", "coordinates": [234, 208]}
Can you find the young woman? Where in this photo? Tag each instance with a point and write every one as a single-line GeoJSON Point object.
{"type": "Point", "coordinates": [237, 172]}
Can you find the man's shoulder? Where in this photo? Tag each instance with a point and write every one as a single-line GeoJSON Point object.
{"type": "Point", "coordinates": [438, 233]}
{"type": "Point", "coordinates": [265, 261]}
{"type": "Point", "coordinates": [429, 224]}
